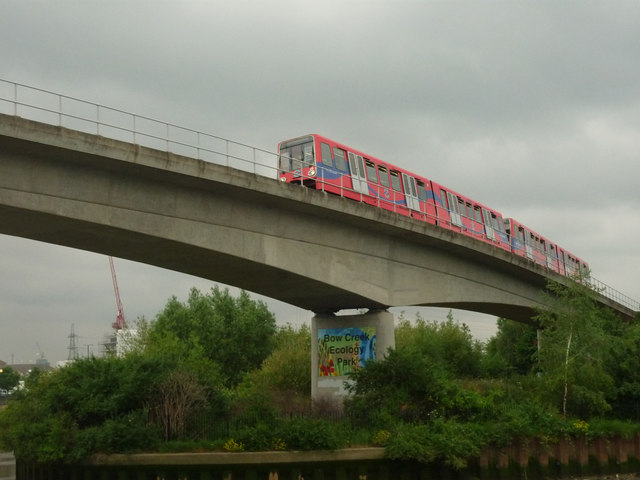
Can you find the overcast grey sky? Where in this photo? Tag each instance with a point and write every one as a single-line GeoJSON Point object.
{"type": "Point", "coordinates": [532, 108]}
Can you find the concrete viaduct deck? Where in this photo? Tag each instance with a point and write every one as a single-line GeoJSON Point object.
{"type": "Point", "coordinates": [306, 248]}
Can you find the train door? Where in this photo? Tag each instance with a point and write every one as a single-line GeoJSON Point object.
{"type": "Point", "coordinates": [358, 176]}
{"type": "Point", "coordinates": [488, 228]}
{"type": "Point", "coordinates": [456, 219]}
{"type": "Point", "coordinates": [410, 192]}
{"type": "Point", "coordinates": [518, 239]}
{"type": "Point", "coordinates": [528, 244]}
{"type": "Point", "coordinates": [550, 256]}
{"type": "Point", "coordinates": [569, 264]}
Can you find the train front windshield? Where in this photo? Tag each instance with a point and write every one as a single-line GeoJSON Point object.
{"type": "Point", "coordinates": [296, 154]}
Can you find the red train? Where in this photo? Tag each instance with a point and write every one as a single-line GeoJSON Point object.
{"type": "Point", "coordinates": [323, 164]}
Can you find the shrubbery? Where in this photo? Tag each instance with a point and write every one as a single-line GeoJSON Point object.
{"type": "Point", "coordinates": [446, 441]}
{"type": "Point", "coordinates": [440, 396]}
{"type": "Point", "coordinates": [91, 405]}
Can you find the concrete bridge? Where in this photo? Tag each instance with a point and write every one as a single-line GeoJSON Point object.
{"type": "Point", "coordinates": [306, 248]}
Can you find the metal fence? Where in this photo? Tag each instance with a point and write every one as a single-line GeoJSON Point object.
{"type": "Point", "coordinates": [61, 110]}
{"type": "Point", "coordinates": [65, 111]}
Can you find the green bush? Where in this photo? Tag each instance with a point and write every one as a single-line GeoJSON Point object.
{"type": "Point", "coordinates": [381, 438]}
{"type": "Point", "coordinates": [92, 405]}
{"type": "Point", "coordinates": [45, 440]}
{"type": "Point", "coordinates": [259, 437]}
{"type": "Point", "coordinates": [408, 387]}
{"type": "Point", "coordinates": [449, 344]}
{"type": "Point", "coordinates": [312, 434]}
{"type": "Point", "coordinates": [610, 428]}
{"type": "Point", "coordinates": [124, 434]}
{"type": "Point", "coordinates": [449, 442]}
{"type": "Point", "coordinates": [232, 445]}
{"type": "Point", "coordinates": [411, 442]}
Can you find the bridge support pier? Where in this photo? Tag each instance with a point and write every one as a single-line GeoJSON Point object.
{"type": "Point", "coordinates": [341, 344]}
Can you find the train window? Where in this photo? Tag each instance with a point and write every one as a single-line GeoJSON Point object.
{"type": "Point", "coordinates": [477, 214]}
{"type": "Point", "coordinates": [469, 211]}
{"type": "Point", "coordinates": [384, 176]}
{"type": "Point", "coordinates": [495, 223]}
{"type": "Point", "coordinates": [372, 174]}
{"type": "Point", "coordinates": [341, 162]}
{"type": "Point", "coordinates": [326, 155]}
{"type": "Point", "coordinates": [443, 196]}
{"type": "Point", "coordinates": [284, 162]}
{"type": "Point", "coordinates": [395, 181]}
{"type": "Point", "coordinates": [357, 165]}
{"type": "Point", "coordinates": [453, 204]}
{"type": "Point", "coordinates": [361, 166]}
{"type": "Point", "coordinates": [296, 153]}
{"type": "Point", "coordinates": [422, 191]}
{"type": "Point", "coordinates": [461, 208]}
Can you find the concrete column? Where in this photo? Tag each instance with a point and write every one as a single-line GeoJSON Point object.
{"type": "Point", "coordinates": [341, 344]}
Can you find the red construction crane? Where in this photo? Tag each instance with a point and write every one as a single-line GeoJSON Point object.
{"type": "Point", "coordinates": [119, 324]}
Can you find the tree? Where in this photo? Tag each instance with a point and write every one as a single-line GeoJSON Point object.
{"type": "Point", "coordinates": [9, 379]}
{"type": "Point", "coordinates": [93, 404]}
{"type": "Point", "coordinates": [575, 349]}
{"type": "Point", "coordinates": [235, 333]}
{"type": "Point", "coordinates": [283, 384]}
{"type": "Point", "coordinates": [407, 386]}
{"type": "Point", "coordinates": [447, 343]}
{"type": "Point", "coordinates": [625, 368]}
{"type": "Point", "coordinates": [512, 350]}
{"type": "Point", "coordinates": [418, 381]}
{"type": "Point", "coordinates": [176, 398]}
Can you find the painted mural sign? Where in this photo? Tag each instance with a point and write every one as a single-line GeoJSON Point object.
{"type": "Point", "coordinates": [343, 350]}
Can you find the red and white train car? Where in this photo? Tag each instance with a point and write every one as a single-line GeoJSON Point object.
{"type": "Point", "coordinates": [320, 163]}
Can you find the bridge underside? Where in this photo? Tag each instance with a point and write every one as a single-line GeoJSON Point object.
{"type": "Point", "coordinates": [252, 276]}
{"type": "Point", "coordinates": [275, 283]}
{"type": "Point", "coordinates": [309, 249]}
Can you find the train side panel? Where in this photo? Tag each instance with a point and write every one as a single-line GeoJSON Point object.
{"type": "Point", "coordinates": [527, 243]}
{"type": "Point", "coordinates": [318, 162]}
{"type": "Point", "coordinates": [369, 179]}
{"type": "Point", "coordinates": [461, 214]}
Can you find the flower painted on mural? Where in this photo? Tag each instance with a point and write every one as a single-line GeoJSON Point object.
{"type": "Point", "coordinates": [328, 370]}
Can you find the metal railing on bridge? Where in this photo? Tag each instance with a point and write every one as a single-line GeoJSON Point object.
{"type": "Point", "coordinates": [56, 109]}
